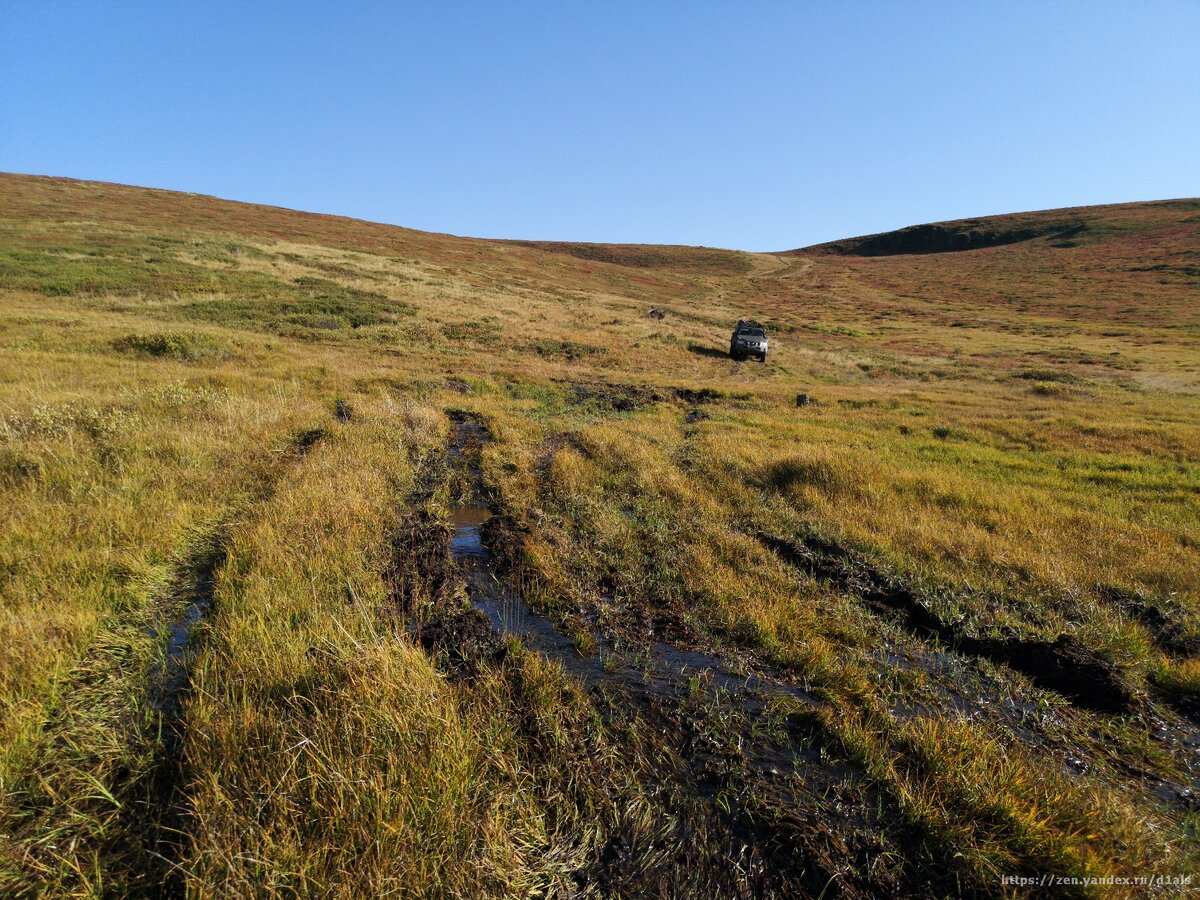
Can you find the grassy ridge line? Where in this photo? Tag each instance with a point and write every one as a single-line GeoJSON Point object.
{"type": "Point", "coordinates": [1068, 227]}
{"type": "Point", "coordinates": [103, 210]}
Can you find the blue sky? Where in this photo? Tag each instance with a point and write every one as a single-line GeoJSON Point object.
{"type": "Point", "coordinates": [753, 125]}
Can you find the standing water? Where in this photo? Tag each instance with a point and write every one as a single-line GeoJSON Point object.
{"type": "Point", "coordinates": [662, 669]}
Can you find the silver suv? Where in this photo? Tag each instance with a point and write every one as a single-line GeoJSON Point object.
{"type": "Point", "coordinates": [749, 339]}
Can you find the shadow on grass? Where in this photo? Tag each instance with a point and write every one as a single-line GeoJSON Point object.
{"type": "Point", "coordinates": [712, 352]}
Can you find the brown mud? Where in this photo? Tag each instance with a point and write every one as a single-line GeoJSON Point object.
{"type": "Point", "coordinates": [736, 751]}
{"type": "Point", "coordinates": [618, 397]}
{"type": "Point", "coordinates": [1065, 665]}
{"type": "Point", "coordinates": [697, 396]}
{"type": "Point", "coordinates": [1162, 623]}
{"type": "Point", "coordinates": [615, 397]}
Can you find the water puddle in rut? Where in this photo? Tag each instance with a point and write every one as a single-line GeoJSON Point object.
{"type": "Point", "coordinates": [467, 542]}
{"type": "Point", "coordinates": [678, 688]}
{"type": "Point", "coordinates": [170, 683]}
{"type": "Point", "coordinates": [659, 670]}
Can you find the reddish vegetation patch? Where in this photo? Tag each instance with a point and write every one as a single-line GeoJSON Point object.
{"type": "Point", "coordinates": [1129, 264]}
{"type": "Point", "coordinates": [651, 256]}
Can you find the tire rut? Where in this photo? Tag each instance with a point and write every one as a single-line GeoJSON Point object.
{"type": "Point", "coordinates": [131, 819]}
{"type": "Point", "coordinates": [166, 804]}
{"type": "Point", "coordinates": [1065, 665]}
{"type": "Point", "coordinates": [810, 823]}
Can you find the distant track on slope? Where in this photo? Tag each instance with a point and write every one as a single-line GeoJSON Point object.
{"type": "Point", "coordinates": [764, 264]}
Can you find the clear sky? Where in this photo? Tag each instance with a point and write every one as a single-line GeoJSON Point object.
{"type": "Point", "coordinates": [760, 126]}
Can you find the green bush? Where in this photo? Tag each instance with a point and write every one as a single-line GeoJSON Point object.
{"type": "Point", "coordinates": [184, 346]}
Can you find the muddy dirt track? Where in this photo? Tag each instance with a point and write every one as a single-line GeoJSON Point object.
{"type": "Point", "coordinates": [739, 764]}
{"type": "Point", "coordinates": [736, 747]}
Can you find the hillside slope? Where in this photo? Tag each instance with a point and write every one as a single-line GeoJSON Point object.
{"type": "Point", "coordinates": [1167, 222]}
{"type": "Point", "coordinates": [340, 558]}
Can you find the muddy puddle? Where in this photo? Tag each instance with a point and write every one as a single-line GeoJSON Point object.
{"type": "Point", "coordinates": [658, 669]}
{"type": "Point", "coordinates": [170, 685]}
{"type": "Point", "coordinates": [656, 679]}
{"type": "Point", "coordinates": [467, 540]}
{"type": "Point", "coordinates": [181, 630]}
{"type": "Point", "coordinates": [167, 698]}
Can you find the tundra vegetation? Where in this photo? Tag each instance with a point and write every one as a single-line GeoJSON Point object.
{"type": "Point", "coordinates": [912, 606]}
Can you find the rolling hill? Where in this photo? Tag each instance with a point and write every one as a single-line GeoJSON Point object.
{"type": "Point", "coordinates": [341, 558]}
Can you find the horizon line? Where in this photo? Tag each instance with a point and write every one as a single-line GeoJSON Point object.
{"type": "Point", "coordinates": [525, 240]}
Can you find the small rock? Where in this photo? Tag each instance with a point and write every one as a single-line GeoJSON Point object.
{"type": "Point", "coordinates": [803, 400]}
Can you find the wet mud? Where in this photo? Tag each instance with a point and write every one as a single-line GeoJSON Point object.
{"type": "Point", "coordinates": [616, 397]}
{"type": "Point", "coordinates": [1162, 623]}
{"type": "Point", "coordinates": [306, 440]}
{"type": "Point", "coordinates": [697, 396]}
{"type": "Point", "coordinates": [1066, 665]}
{"type": "Point", "coordinates": [803, 822]}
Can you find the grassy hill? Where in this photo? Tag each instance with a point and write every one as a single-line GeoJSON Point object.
{"type": "Point", "coordinates": [909, 607]}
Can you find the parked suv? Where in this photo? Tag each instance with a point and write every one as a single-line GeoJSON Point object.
{"type": "Point", "coordinates": [749, 339]}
